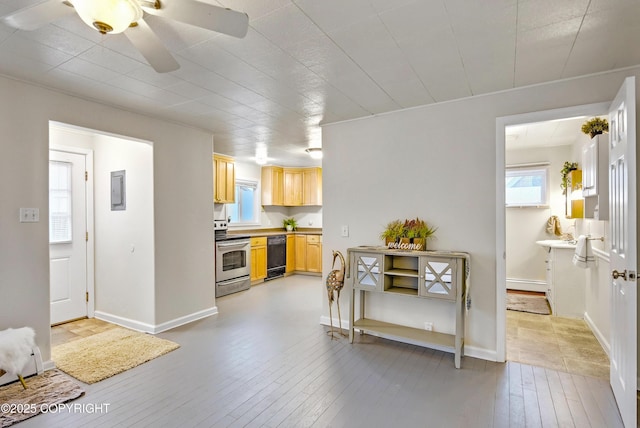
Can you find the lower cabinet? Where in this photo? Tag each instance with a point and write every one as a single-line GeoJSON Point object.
{"type": "Point", "coordinates": [308, 253]}
{"type": "Point", "coordinates": [565, 283]}
{"type": "Point", "coordinates": [436, 275]}
{"type": "Point", "coordinates": [300, 253]}
{"type": "Point", "coordinates": [291, 254]}
{"type": "Point", "coordinates": [314, 253]}
{"type": "Point", "coordinates": [258, 258]}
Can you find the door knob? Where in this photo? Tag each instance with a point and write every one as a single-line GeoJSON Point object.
{"type": "Point", "coordinates": [615, 274]}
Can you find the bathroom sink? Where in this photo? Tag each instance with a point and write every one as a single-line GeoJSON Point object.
{"type": "Point", "coordinates": [557, 243]}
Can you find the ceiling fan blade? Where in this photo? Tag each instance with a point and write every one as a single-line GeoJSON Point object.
{"type": "Point", "coordinates": [202, 15]}
{"type": "Point", "coordinates": [150, 46]}
{"type": "Point", "coordinates": [34, 17]}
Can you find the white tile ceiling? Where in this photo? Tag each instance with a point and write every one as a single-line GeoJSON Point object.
{"type": "Point", "coordinates": [306, 62]}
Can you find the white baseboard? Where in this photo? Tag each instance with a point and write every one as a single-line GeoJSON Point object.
{"type": "Point", "coordinates": [598, 334]}
{"type": "Point", "coordinates": [324, 320]}
{"type": "Point", "coordinates": [526, 285]}
{"type": "Point", "coordinates": [481, 353]}
{"type": "Point", "coordinates": [155, 328]}
{"type": "Point", "coordinates": [48, 365]}
{"type": "Point", "coordinates": [185, 319]}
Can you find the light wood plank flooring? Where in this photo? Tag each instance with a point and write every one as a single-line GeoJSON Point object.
{"type": "Point", "coordinates": [265, 361]}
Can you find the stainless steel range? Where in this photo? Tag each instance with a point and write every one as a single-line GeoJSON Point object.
{"type": "Point", "coordinates": [233, 260]}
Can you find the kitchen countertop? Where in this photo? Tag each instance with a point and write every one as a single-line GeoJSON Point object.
{"type": "Point", "coordinates": [276, 231]}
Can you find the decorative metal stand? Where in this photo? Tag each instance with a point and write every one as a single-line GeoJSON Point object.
{"type": "Point", "coordinates": [335, 282]}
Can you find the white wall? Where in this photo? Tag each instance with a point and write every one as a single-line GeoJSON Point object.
{"type": "Point", "coordinates": [124, 239]}
{"type": "Point", "coordinates": [184, 277]}
{"type": "Point", "coordinates": [524, 226]}
{"type": "Point", "coordinates": [437, 162]}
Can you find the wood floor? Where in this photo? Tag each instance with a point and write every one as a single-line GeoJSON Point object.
{"type": "Point", "coordinates": [265, 361]}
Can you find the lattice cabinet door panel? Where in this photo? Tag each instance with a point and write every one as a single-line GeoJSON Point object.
{"type": "Point", "coordinates": [367, 271]}
{"type": "Point", "coordinates": [438, 277]}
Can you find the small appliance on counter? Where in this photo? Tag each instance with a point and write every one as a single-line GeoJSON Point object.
{"type": "Point", "coordinates": [233, 260]}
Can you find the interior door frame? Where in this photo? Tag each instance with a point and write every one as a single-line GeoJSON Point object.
{"type": "Point", "coordinates": [88, 154]}
{"type": "Point", "coordinates": [596, 109]}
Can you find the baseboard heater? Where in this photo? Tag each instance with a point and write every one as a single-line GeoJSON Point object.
{"type": "Point", "coordinates": [34, 366]}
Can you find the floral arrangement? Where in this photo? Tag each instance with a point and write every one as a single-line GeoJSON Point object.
{"type": "Point", "coordinates": [595, 126]}
{"type": "Point", "coordinates": [415, 231]}
{"type": "Point", "coordinates": [566, 169]}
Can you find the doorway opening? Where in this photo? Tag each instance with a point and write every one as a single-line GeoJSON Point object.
{"type": "Point", "coordinates": [539, 141]}
{"type": "Point", "coordinates": [118, 243]}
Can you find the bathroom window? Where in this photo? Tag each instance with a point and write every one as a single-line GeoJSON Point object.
{"type": "Point", "coordinates": [246, 209]}
{"type": "Point", "coordinates": [527, 186]}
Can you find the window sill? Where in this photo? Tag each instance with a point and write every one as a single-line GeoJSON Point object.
{"type": "Point", "coordinates": [527, 206]}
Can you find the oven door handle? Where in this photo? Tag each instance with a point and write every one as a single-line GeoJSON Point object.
{"type": "Point", "coordinates": [232, 244]}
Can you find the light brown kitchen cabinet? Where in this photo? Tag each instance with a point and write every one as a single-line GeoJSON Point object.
{"type": "Point", "coordinates": [293, 187]}
{"type": "Point", "coordinates": [308, 253]}
{"type": "Point", "coordinates": [291, 254]}
{"type": "Point", "coordinates": [258, 258]}
{"type": "Point", "coordinates": [312, 186]}
{"type": "Point", "coordinates": [224, 180]}
{"type": "Point", "coordinates": [272, 185]}
{"type": "Point", "coordinates": [301, 253]}
{"type": "Point", "coordinates": [314, 253]}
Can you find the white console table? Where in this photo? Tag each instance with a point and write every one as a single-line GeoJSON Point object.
{"type": "Point", "coordinates": [439, 275]}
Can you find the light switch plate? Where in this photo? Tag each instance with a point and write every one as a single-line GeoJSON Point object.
{"type": "Point", "coordinates": [29, 215]}
{"type": "Point", "coordinates": [345, 231]}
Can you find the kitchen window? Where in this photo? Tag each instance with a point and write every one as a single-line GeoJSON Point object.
{"type": "Point", "coordinates": [527, 185]}
{"type": "Point", "coordinates": [246, 209]}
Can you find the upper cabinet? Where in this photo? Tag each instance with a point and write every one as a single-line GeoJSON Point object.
{"type": "Point", "coordinates": [272, 185]}
{"type": "Point", "coordinates": [224, 180]}
{"type": "Point", "coordinates": [312, 186]}
{"type": "Point", "coordinates": [291, 187]}
{"type": "Point", "coordinates": [595, 177]}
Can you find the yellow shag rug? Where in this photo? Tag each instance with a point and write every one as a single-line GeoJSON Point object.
{"type": "Point", "coordinates": [94, 358]}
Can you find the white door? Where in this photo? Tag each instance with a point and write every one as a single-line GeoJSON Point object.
{"type": "Point", "coordinates": [67, 236]}
{"type": "Point", "coordinates": [622, 203]}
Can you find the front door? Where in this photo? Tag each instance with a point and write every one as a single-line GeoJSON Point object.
{"type": "Point", "coordinates": [67, 236]}
{"type": "Point", "coordinates": [622, 203]}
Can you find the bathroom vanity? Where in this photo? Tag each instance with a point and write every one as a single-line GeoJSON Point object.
{"type": "Point", "coordinates": [566, 283]}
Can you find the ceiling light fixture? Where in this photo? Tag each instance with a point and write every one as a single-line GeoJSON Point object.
{"type": "Point", "coordinates": [315, 152]}
{"type": "Point", "coordinates": [108, 16]}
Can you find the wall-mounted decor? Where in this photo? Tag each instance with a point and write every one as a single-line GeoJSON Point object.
{"type": "Point", "coordinates": [118, 191]}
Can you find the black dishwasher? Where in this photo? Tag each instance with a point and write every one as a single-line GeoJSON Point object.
{"type": "Point", "coordinates": [276, 256]}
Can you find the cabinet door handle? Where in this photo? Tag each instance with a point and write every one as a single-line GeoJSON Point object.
{"type": "Point", "coordinates": [615, 274]}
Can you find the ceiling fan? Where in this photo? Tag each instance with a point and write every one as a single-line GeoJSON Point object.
{"type": "Point", "coordinates": [116, 16]}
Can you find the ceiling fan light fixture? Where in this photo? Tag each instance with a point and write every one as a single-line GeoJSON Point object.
{"type": "Point", "coordinates": [315, 152]}
{"type": "Point", "coordinates": [108, 16]}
